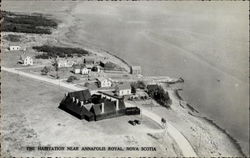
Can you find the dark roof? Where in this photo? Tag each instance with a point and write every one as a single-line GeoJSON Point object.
{"type": "Point", "coordinates": [96, 109]}
{"type": "Point", "coordinates": [152, 86]}
{"type": "Point", "coordinates": [83, 95]}
{"type": "Point", "coordinates": [77, 109]}
{"type": "Point", "coordinates": [96, 99]}
{"type": "Point", "coordinates": [109, 106]}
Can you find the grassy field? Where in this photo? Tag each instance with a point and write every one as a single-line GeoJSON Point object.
{"type": "Point", "coordinates": [31, 118]}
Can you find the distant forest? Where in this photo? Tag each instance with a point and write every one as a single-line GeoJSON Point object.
{"type": "Point", "coordinates": [54, 51]}
{"type": "Point", "coordinates": [35, 23]}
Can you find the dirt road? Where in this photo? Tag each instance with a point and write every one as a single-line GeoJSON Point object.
{"type": "Point", "coordinates": [52, 81]}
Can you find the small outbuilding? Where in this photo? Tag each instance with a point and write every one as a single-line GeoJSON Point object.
{"type": "Point", "coordinates": [136, 70]}
{"type": "Point", "coordinates": [77, 69]}
{"type": "Point", "coordinates": [14, 48]}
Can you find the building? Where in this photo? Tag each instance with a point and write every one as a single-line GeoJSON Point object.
{"type": "Point", "coordinates": [96, 107]}
{"type": "Point", "coordinates": [28, 61]}
{"type": "Point", "coordinates": [85, 71]}
{"type": "Point", "coordinates": [108, 108]}
{"type": "Point", "coordinates": [136, 70]}
{"type": "Point", "coordinates": [65, 63]}
{"type": "Point", "coordinates": [81, 69]}
{"type": "Point", "coordinates": [13, 48]}
{"type": "Point", "coordinates": [123, 89]}
{"type": "Point", "coordinates": [104, 82]}
{"type": "Point", "coordinates": [74, 103]}
{"type": "Point", "coordinates": [77, 69]}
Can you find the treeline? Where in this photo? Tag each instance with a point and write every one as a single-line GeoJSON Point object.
{"type": "Point", "coordinates": [13, 38]}
{"type": "Point", "coordinates": [111, 66]}
{"type": "Point", "coordinates": [54, 51]}
{"type": "Point", "coordinates": [35, 23]}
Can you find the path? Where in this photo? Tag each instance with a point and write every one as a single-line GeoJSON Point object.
{"type": "Point", "coordinates": [182, 142]}
{"type": "Point", "coordinates": [52, 81]}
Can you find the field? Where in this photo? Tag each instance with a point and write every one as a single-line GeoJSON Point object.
{"type": "Point", "coordinates": [31, 118]}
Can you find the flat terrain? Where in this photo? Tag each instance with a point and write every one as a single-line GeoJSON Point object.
{"type": "Point", "coordinates": [30, 117]}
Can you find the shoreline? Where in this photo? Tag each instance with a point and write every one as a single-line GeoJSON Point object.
{"type": "Point", "coordinates": [177, 94]}
{"type": "Point", "coordinates": [190, 107]}
{"type": "Point", "coordinates": [211, 122]}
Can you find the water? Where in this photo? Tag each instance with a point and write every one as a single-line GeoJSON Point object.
{"type": "Point", "coordinates": [204, 43]}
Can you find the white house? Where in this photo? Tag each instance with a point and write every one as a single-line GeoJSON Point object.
{"type": "Point", "coordinates": [123, 89]}
{"type": "Point", "coordinates": [65, 63]}
{"type": "Point", "coordinates": [77, 69]}
{"type": "Point", "coordinates": [104, 82]}
{"type": "Point", "coordinates": [28, 61]}
{"type": "Point", "coordinates": [13, 48]}
{"type": "Point", "coordinates": [84, 71]}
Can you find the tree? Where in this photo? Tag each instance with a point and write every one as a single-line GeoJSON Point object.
{"type": "Point", "coordinates": [133, 87]}
{"type": "Point", "coordinates": [141, 85]}
{"type": "Point", "coordinates": [71, 78]}
{"type": "Point", "coordinates": [86, 84]}
{"type": "Point", "coordinates": [158, 93]}
{"type": "Point", "coordinates": [55, 64]}
{"type": "Point", "coordinates": [45, 70]}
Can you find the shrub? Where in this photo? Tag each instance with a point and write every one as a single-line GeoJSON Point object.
{"type": "Point", "coordinates": [45, 70]}
{"type": "Point", "coordinates": [13, 38]}
{"type": "Point", "coordinates": [138, 84]}
{"type": "Point", "coordinates": [133, 87]}
{"type": "Point", "coordinates": [112, 66]}
{"type": "Point", "coordinates": [86, 84]}
{"type": "Point", "coordinates": [71, 78]}
{"type": "Point", "coordinates": [141, 85]}
{"type": "Point", "coordinates": [157, 92]}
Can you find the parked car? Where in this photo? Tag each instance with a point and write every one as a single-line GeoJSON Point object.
{"type": "Point", "coordinates": [137, 122]}
{"type": "Point", "coordinates": [132, 122]}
